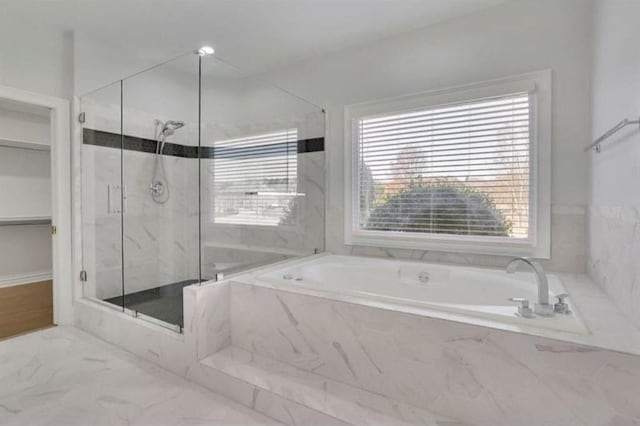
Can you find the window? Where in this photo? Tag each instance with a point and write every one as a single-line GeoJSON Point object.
{"type": "Point", "coordinates": [457, 170]}
{"type": "Point", "coordinates": [253, 179]}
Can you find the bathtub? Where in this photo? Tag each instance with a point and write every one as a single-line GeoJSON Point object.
{"type": "Point", "coordinates": [467, 291]}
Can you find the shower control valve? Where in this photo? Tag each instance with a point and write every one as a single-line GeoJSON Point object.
{"type": "Point", "coordinates": [524, 308]}
{"type": "Point", "coordinates": [157, 188]}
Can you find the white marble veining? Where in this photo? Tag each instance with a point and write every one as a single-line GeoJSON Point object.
{"type": "Point", "coordinates": [181, 354]}
{"type": "Point", "coordinates": [64, 377]}
{"type": "Point", "coordinates": [303, 238]}
{"type": "Point", "coordinates": [614, 254]}
{"type": "Point", "coordinates": [607, 327]}
{"type": "Point", "coordinates": [482, 293]}
{"type": "Point", "coordinates": [476, 374]}
{"type": "Point", "coordinates": [159, 241]}
{"type": "Point", "coordinates": [207, 318]}
{"type": "Point", "coordinates": [336, 399]}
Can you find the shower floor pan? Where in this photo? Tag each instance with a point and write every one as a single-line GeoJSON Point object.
{"type": "Point", "coordinates": [163, 303]}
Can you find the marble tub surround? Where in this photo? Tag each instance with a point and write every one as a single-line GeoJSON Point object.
{"type": "Point", "coordinates": [474, 374]}
{"type": "Point", "coordinates": [305, 359]}
{"type": "Point", "coordinates": [206, 332]}
{"type": "Point", "coordinates": [238, 258]}
{"type": "Point", "coordinates": [63, 376]}
{"type": "Point", "coordinates": [607, 327]}
{"type": "Point", "coordinates": [346, 404]}
{"type": "Point", "coordinates": [280, 391]}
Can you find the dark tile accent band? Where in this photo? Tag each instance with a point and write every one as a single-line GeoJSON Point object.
{"type": "Point", "coordinates": [310, 145]}
{"type": "Point", "coordinates": [132, 143]}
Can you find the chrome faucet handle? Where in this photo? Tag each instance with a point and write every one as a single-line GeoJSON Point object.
{"type": "Point", "coordinates": [543, 309]}
{"type": "Point", "coordinates": [561, 307]}
{"type": "Point", "coordinates": [524, 309]}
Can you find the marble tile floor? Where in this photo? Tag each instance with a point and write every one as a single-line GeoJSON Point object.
{"type": "Point", "coordinates": [65, 377]}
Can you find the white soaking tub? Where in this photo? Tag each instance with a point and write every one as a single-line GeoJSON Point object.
{"type": "Point", "coordinates": [473, 292]}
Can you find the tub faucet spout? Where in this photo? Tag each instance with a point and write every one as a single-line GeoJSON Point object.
{"type": "Point", "coordinates": [543, 307]}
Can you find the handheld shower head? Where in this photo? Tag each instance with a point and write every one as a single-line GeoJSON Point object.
{"type": "Point", "coordinates": [159, 185]}
{"type": "Point", "coordinates": [170, 127]}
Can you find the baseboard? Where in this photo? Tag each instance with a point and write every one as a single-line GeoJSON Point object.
{"type": "Point", "coordinates": [19, 279]}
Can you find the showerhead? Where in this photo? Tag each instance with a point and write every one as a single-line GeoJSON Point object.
{"type": "Point", "coordinates": [171, 126]}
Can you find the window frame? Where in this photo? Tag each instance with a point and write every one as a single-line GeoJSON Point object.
{"type": "Point", "coordinates": [538, 245]}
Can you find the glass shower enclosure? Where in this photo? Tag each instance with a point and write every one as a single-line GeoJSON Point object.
{"type": "Point", "coordinates": [193, 171]}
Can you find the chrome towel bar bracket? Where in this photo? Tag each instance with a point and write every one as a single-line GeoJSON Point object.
{"type": "Point", "coordinates": [624, 123]}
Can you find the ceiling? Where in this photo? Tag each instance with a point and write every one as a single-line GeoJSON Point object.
{"type": "Point", "coordinates": [255, 35]}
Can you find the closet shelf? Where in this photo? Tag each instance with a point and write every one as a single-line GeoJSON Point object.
{"type": "Point", "coordinates": [25, 220]}
{"type": "Point", "coordinates": [22, 144]}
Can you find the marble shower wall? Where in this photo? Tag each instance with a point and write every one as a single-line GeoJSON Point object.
{"type": "Point", "coordinates": [101, 231]}
{"type": "Point", "coordinates": [481, 376]}
{"type": "Point", "coordinates": [303, 238]}
{"type": "Point", "coordinates": [614, 211]}
{"type": "Point", "coordinates": [159, 241]}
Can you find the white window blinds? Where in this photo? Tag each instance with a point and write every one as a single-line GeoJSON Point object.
{"type": "Point", "coordinates": [253, 179]}
{"type": "Point", "coordinates": [461, 169]}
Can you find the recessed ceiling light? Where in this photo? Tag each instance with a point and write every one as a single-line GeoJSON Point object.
{"type": "Point", "coordinates": [205, 50]}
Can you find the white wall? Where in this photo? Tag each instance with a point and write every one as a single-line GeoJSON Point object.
{"type": "Point", "coordinates": [36, 58]}
{"type": "Point", "coordinates": [506, 40]}
{"type": "Point", "coordinates": [25, 254]}
{"type": "Point", "coordinates": [25, 192]}
{"type": "Point", "coordinates": [614, 211]}
{"type": "Point", "coordinates": [510, 39]}
{"type": "Point", "coordinates": [97, 64]}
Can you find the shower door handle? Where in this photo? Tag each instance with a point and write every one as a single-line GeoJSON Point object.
{"type": "Point", "coordinates": [116, 199]}
{"type": "Point", "coordinates": [123, 202]}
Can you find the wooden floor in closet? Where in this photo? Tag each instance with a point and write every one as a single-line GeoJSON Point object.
{"type": "Point", "coordinates": [25, 308]}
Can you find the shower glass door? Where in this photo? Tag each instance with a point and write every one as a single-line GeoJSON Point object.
{"type": "Point", "coordinates": [192, 171]}
{"type": "Point", "coordinates": [262, 172]}
{"type": "Point", "coordinates": [101, 169]}
{"type": "Point", "coordinates": [160, 183]}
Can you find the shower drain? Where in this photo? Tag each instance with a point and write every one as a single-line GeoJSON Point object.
{"type": "Point", "coordinates": [291, 277]}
